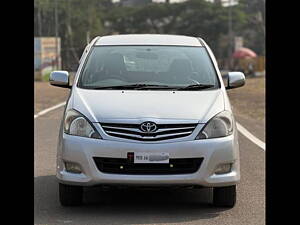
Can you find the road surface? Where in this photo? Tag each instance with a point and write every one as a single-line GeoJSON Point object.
{"type": "Point", "coordinates": [146, 206]}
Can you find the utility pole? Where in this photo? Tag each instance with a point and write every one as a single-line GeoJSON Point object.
{"type": "Point", "coordinates": [230, 34]}
{"type": "Point", "coordinates": [87, 37]}
{"type": "Point", "coordinates": [90, 22]}
{"type": "Point", "coordinates": [39, 19]}
{"type": "Point", "coordinates": [70, 45]}
{"type": "Point", "coordinates": [56, 34]}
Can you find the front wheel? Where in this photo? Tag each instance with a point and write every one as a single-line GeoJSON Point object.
{"type": "Point", "coordinates": [70, 195]}
{"type": "Point", "coordinates": [224, 196]}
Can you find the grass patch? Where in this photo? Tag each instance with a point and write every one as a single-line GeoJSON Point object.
{"type": "Point", "coordinates": [46, 76]}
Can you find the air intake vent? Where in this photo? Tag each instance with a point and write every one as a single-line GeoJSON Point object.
{"type": "Point", "coordinates": [123, 166]}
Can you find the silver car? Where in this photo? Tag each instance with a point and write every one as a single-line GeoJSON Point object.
{"type": "Point", "coordinates": [148, 110]}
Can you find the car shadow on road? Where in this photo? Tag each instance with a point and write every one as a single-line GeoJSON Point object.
{"type": "Point", "coordinates": [126, 206]}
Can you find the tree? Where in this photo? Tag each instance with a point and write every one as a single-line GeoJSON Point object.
{"type": "Point", "coordinates": [255, 26]}
{"type": "Point", "coordinates": [81, 20]}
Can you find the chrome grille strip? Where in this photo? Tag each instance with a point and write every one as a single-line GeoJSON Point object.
{"type": "Point", "coordinates": [163, 132]}
{"type": "Point", "coordinates": [138, 130]}
{"type": "Point", "coordinates": [147, 134]}
{"type": "Point", "coordinates": [148, 137]}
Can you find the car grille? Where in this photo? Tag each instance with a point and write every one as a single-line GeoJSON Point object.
{"type": "Point", "coordinates": [163, 132]}
{"type": "Point", "coordinates": [124, 166]}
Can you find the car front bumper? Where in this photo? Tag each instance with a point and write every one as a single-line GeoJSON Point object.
{"type": "Point", "coordinates": [214, 151]}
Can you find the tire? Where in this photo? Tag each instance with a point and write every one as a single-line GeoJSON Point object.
{"type": "Point", "coordinates": [70, 195]}
{"type": "Point", "coordinates": [224, 196]}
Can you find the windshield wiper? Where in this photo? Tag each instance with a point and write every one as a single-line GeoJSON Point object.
{"type": "Point", "coordinates": [131, 86]}
{"type": "Point", "coordinates": [196, 87]}
{"type": "Point", "coordinates": [154, 86]}
{"type": "Point", "coordinates": [150, 86]}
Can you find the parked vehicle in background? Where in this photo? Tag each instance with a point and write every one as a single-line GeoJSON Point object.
{"type": "Point", "coordinates": [148, 110]}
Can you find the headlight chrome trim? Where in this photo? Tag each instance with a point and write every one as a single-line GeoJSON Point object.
{"type": "Point", "coordinates": [221, 117]}
{"type": "Point", "coordinates": [72, 115]}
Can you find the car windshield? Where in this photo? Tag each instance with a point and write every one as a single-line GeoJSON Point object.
{"type": "Point", "coordinates": [148, 67]}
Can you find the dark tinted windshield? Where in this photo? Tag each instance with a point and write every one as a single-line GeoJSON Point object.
{"type": "Point", "coordinates": [176, 66]}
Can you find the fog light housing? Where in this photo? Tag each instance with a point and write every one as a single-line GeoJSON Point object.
{"type": "Point", "coordinates": [72, 167]}
{"type": "Point", "coordinates": [223, 168]}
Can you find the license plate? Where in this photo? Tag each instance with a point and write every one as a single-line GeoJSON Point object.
{"type": "Point", "coordinates": [145, 157]}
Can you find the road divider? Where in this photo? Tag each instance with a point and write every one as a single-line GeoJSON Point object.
{"type": "Point", "coordinates": [250, 136]}
{"type": "Point", "coordinates": [241, 129]}
{"type": "Point", "coordinates": [49, 109]}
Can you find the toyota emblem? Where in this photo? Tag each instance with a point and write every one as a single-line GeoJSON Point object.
{"type": "Point", "coordinates": [148, 127]}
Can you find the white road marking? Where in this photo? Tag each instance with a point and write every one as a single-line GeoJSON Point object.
{"type": "Point", "coordinates": [242, 129]}
{"type": "Point", "coordinates": [49, 109]}
{"type": "Point", "coordinates": [251, 137]}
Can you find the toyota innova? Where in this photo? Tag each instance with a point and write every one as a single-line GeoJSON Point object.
{"type": "Point", "coordinates": [148, 110]}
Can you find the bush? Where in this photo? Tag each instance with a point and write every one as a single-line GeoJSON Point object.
{"type": "Point", "coordinates": [45, 77]}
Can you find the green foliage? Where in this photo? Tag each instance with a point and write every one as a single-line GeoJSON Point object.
{"type": "Point", "coordinates": [254, 28]}
{"type": "Point", "coordinates": [78, 20]}
{"type": "Point", "coordinates": [82, 19]}
{"type": "Point", "coordinates": [45, 77]}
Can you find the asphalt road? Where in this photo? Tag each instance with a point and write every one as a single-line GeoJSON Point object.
{"type": "Point", "coordinates": [145, 206]}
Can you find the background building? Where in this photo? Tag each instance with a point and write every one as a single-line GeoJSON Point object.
{"type": "Point", "coordinates": [46, 55]}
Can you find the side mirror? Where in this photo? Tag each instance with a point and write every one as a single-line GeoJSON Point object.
{"type": "Point", "coordinates": [60, 79]}
{"type": "Point", "coordinates": [235, 80]}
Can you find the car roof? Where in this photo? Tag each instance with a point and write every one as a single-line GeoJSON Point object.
{"type": "Point", "coordinates": [148, 39]}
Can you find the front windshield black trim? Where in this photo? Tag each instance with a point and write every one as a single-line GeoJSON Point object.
{"type": "Point", "coordinates": [83, 66]}
{"type": "Point", "coordinates": [154, 89]}
{"type": "Point", "coordinates": [212, 62]}
{"type": "Point", "coordinates": [197, 46]}
{"type": "Point", "coordinates": [79, 85]}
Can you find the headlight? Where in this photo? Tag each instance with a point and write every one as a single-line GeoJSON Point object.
{"type": "Point", "coordinates": [78, 125]}
{"type": "Point", "coordinates": [219, 126]}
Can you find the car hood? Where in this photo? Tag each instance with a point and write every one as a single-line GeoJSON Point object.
{"type": "Point", "coordinates": [109, 105]}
